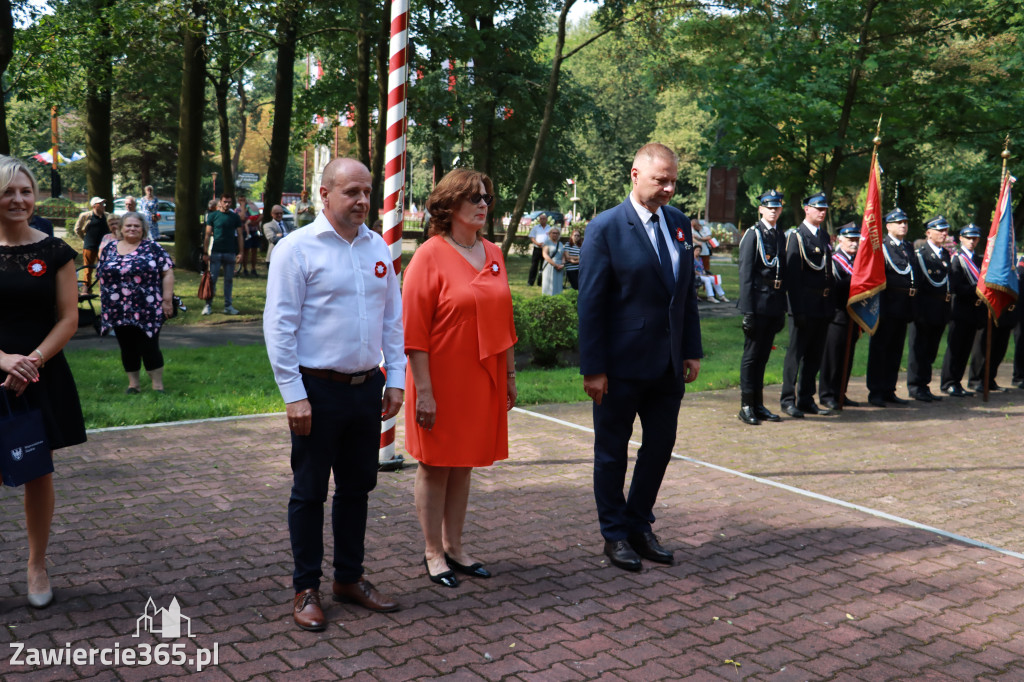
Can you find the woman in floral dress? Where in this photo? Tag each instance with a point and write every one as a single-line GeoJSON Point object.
{"type": "Point", "coordinates": [136, 290]}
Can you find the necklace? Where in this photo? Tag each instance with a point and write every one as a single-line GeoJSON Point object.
{"type": "Point", "coordinates": [458, 243]}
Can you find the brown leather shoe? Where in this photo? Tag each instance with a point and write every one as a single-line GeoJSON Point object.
{"type": "Point", "coordinates": [307, 612]}
{"type": "Point", "coordinates": [364, 594]}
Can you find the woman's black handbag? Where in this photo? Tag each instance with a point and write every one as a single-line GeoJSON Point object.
{"type": "Point", "coordinates": [24, 449]}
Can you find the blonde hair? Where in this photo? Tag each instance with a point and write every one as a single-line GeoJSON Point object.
{"type": "Point", "coordinates": [9, 169]}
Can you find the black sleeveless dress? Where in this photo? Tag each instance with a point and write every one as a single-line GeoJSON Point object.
{"type": "Point", "coordinates": [28, 311]}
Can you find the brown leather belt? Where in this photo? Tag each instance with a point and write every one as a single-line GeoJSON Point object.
{"type": "Point", "coordinates": [339, 377]}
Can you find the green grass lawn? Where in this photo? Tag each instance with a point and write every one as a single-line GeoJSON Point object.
{"type": "Point", "coordinates": [235, 380]}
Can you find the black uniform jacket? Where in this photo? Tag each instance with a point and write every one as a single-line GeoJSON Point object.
{"type": "Point", "coordinates": [762, 277]}
{"type": "Point", "coordinates": [809, 273]}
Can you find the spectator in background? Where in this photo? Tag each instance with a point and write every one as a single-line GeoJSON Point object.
{"type": "Point", "coordinates": [92, 232]}
{"type": "Point", "coordinates": [223, 246]}
{"type": "Point", "coordinates": [136, 291]}
{"type": "Point", "coordinates": [572, 259]}
{"type": "Point", "coordinates": [250, 218]}
{"type": "Point", "coordinates": [554, 254]}
{"type": "Point", "coordinates": [701, 240]}
{"type": "Point", "coordinates": [37, 222]}
{"type": "Point", "coordinates": [150, 208]}
{"type": "Point", "coordinates": [538, 236]}
{"type": "Point", "coordinates": [274, 229]}
{"type": "Point", "coordinates": [114, 221]}
{"type": "Point", "coordinates": [305, 212]}
{"type": "Point", "coordinates": [707, 280]}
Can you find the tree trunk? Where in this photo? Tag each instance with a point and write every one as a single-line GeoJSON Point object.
{"type": "Point", "coordinates": [99, 171]}
{"type": "Point", "coordinates": [280, 136]}
{"type": "Point", "coordinates": [362, 103]}
{"type": "Point", "coordinates": [187, 193]}
{"type": "Point", "coordinates": [220, 89]}
{"type": "Point", "coordinates": [6, 53]}
{"type": "Point", "coordinates": [243, 124]}
{"type": "Point", "coordinates": [482, 141]}
{"type": "Point", "coordinates": [380, 134]}
{"type": "Point", "coordinates": [542, 134]}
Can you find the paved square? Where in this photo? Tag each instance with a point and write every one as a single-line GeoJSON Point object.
{"type": "Point", "coordinates": [768, 583]}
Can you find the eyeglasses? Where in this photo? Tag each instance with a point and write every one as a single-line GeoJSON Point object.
{"type": "Point", "coordinates": [476, 197]}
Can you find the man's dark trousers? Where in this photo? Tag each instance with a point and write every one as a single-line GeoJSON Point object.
{"type": "Point", "coordinates": [656, 402]}
{"type": "Point", "coordinates": [538, 257]}
{"type": "Point", "coordinates": [802, 361]}
{"type": "Point", "coordinates": [345, 439]}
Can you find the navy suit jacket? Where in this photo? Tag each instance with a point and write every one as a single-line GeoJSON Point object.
{"type": "Point", "coordinates": [633, 324]}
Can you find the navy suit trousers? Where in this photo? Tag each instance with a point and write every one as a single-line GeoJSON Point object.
{"type": "Point", "coordinates": [344, 439]}
{"type": "Point", "coordinates": [656, 402]}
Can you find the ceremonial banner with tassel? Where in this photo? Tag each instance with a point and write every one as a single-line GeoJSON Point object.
{"type": "Point", "coordinates": [997, 283]}
{"type": "Point", "coordinates": [868, 279]}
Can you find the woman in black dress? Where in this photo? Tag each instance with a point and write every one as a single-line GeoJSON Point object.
{"type": "Point", "coordinates": [38, 315]}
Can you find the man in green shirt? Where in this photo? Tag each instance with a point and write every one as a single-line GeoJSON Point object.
{"type": "Point", "coordinates": [223, 246]}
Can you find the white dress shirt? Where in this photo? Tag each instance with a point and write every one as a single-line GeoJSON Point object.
{"type": "Point", "coordinates": [645, 218]}
{"type": "Point", "coordinates": [812, 228]}
{"type": "Point", "coordinates": [328, 309]}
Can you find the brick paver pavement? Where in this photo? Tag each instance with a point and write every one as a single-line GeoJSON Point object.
{"type": "Point", "coordinates": [768, 584]}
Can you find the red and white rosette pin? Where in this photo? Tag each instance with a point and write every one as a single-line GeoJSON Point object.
{"type": "Point", "coordinates": [680, 235]}
{"type": "Point", "coordinates": [380, 269]}
{"type": "Point", "coordinates": [36, 268]}
{"type": "Point", "coordinates": [495, 268]}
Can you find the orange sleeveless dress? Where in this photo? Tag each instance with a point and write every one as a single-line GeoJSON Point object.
{"type": "Point", "coordinates": [463, 319]}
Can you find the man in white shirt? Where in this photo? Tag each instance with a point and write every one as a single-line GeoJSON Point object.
{"type": "Point", "coordinates": [333, 303]}
{"type": "Point", "coordinates": [539, 239]}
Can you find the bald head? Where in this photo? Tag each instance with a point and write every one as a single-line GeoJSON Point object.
{"type": "Point", "coordinates": [345, 192]}
{"type": "Point", "coordinates": [655, 151]}
{"type": "Point", "coordinates": [339, 169]}
{"type": "Point", "coordinates": [654, 174]}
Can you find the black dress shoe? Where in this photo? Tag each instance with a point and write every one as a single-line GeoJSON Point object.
{"type": "Point", "coordinates": [922, 396]}
{"type": "Point", "coordinates": [896, 400]}
{"type": "Point", "coordinates": [876, 401]}
{"type": "Point", "coordinates": [850, 403]}
{"type": "Point", "coordinates": [957, 391]}
{"type": "Point", "coordinates": [646, 545]}
{"type": "Point", "coordinates": [935, 398]}
{"type": "Point", "coordinates": [811, 408]}
{"type": "Point", "coordinates": [447, 578]}
{"type": "Point", "coordinates": [747, 416]}
{"type": "Point", "coordinates": [993, 387]}
{"type": "Point", "coordinates": [476, 570]}
{"type": "Point", "coordinates": [622, 555]}
{"type": "Point", "coordinates": [762, 413]}
{"type": "Point", "coordinates": [832, 405]}
{"type": "Point", "coordinates": [792, 411]}
{"type": "Point", "coordinates": [975, 386]}
{"type": "Point", "coordinates": [1019, 384]}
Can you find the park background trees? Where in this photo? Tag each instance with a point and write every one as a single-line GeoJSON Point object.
{"type": "Point", "coordinates": [789, 93]}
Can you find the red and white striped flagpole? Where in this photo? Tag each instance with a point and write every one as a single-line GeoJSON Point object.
{"type": "Point", "coordinates": [394, 175]}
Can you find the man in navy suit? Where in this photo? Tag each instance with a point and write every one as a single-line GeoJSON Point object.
{"type": "Point", "coordinates": [639, 345]}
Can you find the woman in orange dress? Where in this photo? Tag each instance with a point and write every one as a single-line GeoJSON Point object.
{"type": "Point", "coordinates": [459, 336]}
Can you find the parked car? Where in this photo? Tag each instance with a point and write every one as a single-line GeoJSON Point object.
{"type": "Point", "coordinates": [554, 217]}
{"type": "Point", "coordinates": [165, 209]}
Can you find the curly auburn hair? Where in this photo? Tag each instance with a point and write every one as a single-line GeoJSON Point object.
{"type": "Point", "coordinates": [453, 188]}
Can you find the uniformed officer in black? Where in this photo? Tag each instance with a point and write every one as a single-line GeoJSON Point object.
{"type": "Point", "coordinates": [931, 309]}
{"type": "Point", "coordinates": [967, 313]}
{"type": "Point", "coordinates": [885, 350]}
{"type": "Point", "coordinates": [763, 303]}
{"type": "Point", "coordinates": [809, 286]}
{"type": "Point", "coordinates": [831, 390]}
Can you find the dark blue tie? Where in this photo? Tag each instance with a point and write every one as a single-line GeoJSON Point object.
{"type": "Point", "coordinates": [663, 254]}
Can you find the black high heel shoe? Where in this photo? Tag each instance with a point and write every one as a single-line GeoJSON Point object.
{"type": "Point", "coordinates": [446, 579]}
{"type": "Point", "coordinates": [476, 570]}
